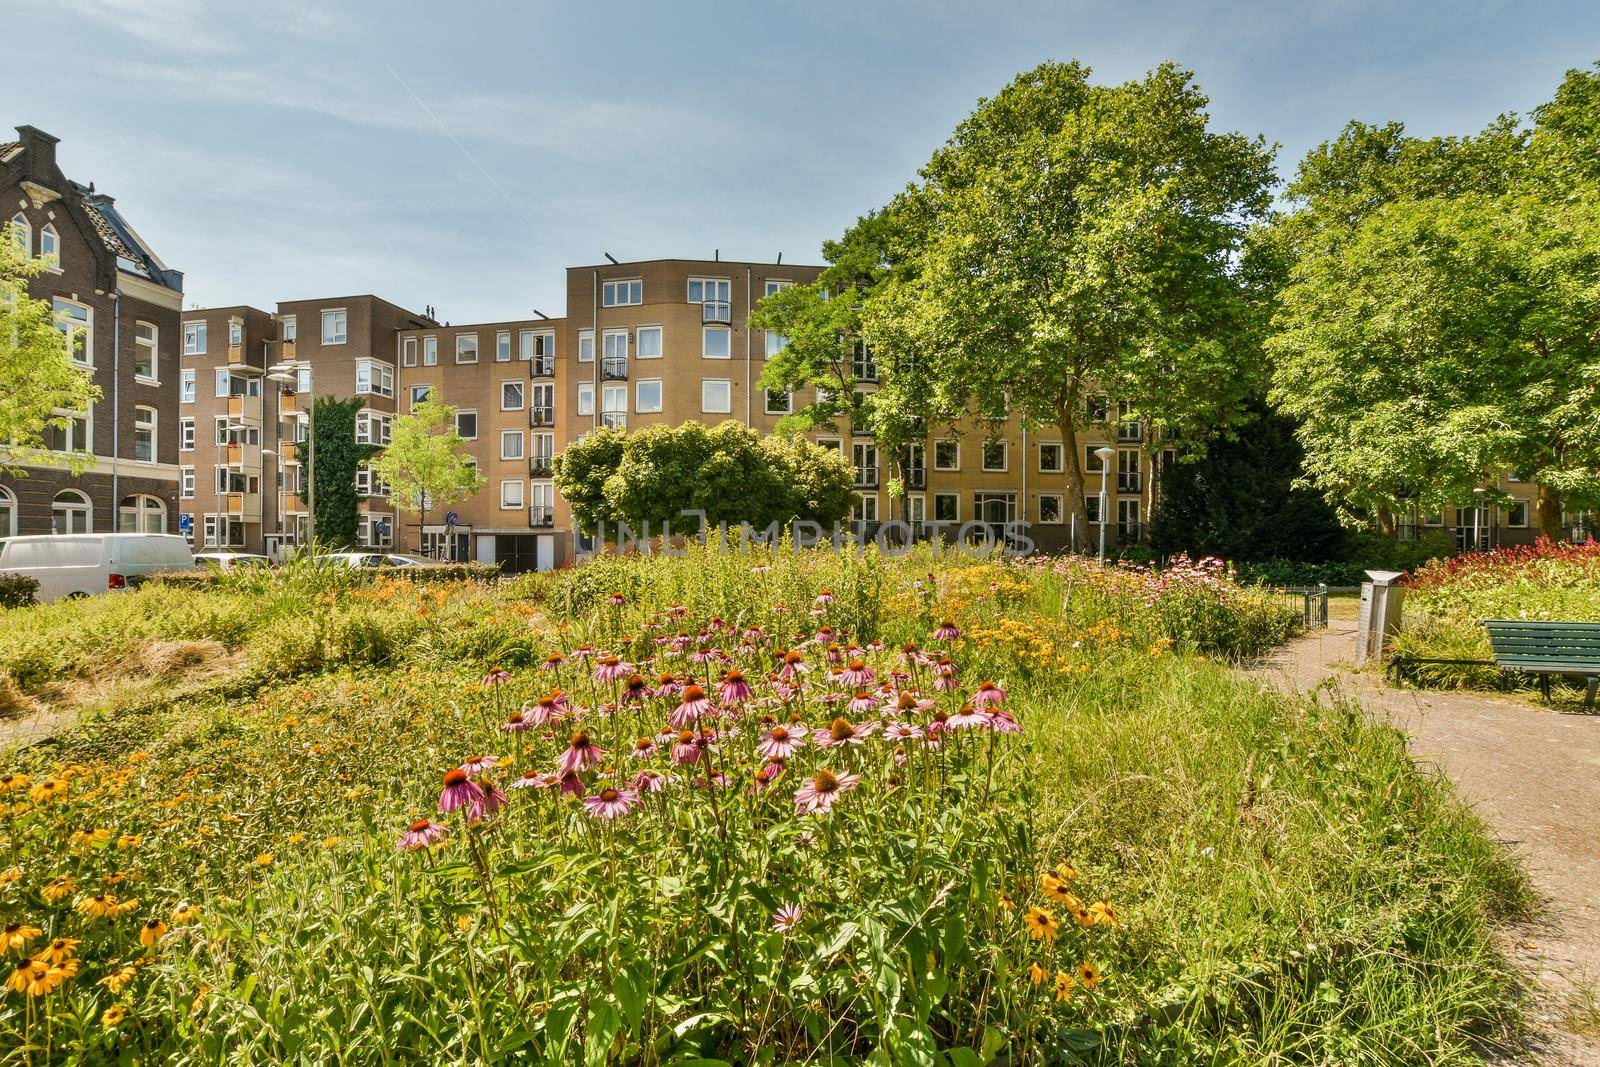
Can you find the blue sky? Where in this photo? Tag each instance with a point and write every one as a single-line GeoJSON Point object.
{"type": "Point", "coordinates": [462, 154]}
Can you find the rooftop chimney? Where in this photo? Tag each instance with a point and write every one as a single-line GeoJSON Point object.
{"type": "Point", "coordinates": [40, 148]}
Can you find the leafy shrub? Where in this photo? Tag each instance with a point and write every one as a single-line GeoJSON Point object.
{"type": "Point", "coordinates": [17, 590]}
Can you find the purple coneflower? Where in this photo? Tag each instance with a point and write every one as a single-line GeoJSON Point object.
{"type": "Point", "coordinates": [636, 690]}
{"type": "Point", "coordinates": [817, 795]}
{"type": "Point", "coordinates": [988, 693]}
{"type": "Point", "coordinates": [611, 803]}
{"type": "Point", "coordinates": [536, 780]}
{"type": "Point", "coordinates": [967, 718]}
{"type": "Point", "coordinates": [770, 772]}
{"type": "Point", "coordinates": [421, 834]}
{"type": "Point", "coordinates": [459, 791]}
{"type": "Point", "coordinates": [571, 783]}
{"type": "Point", "coordinates": [476, 765]}
{"type": "Point", "coordinates": [694, 704]}
{"type": "Point", "coordinates": [786, 918]}
{"type": "Point", "coordinates": [861, 703]}
{"type": "Point", "coordinates": [581, 754]}
{"type": "Point", "coordinates": [835, 654]}
{"type": "Point", "coordinates": [902, 731]}
{"type": "Point", "coordinates": [616, 600]}
{"type": "Point", "coordinates": [611, 669]}
{"type": "Point", "coordinates": [793, 664]}
{"type": "Point", "coordinates": [650, 781]}
{"type": "Point", "coordinates": [841, 732]}
{"type": "Point", "coordinates": [946, 680]}
{"type": "Point", "coordinates": [947, 631]}
{"type": "Point", "coordinates": [544, 711]}
{"type": "Point", "coordinates": [782, 741]}
{"type": "Point", "coordinates": [582, 652]}
{"type": "Point", "coordinates": [497, 676]}
{"type": "Point", "coordinates": [857, 674]}
{"type": "Point", "coordinates": [1001, 722]}
{"type": "Point", "coordinates": [514, 724]}
{"type": "Point", "coordinates": [554, 661]}
{"type": "Point", "coordinates": [689, 748]}
{"type": "Point", "coordinates": [644, 748]}
{"type": "Point", "coordinates": [667, 685]}
{"type": "Point", "coordinates": [734, 689]}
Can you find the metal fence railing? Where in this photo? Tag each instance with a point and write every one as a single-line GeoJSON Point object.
{"type": "Point", "coordinates": [1311, 601]}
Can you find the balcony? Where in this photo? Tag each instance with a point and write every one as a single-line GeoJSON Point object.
{"type": "Point", "coordinates": [541, 466]}
{"type": "Point", "coordinates": [615, 419]}
{"type": "Point", "coordinates": [542, 415]}
{"type": "Point", "coordinates": [614, 369]}
{"type": "Point", "coordinates": [236, 358]}
{"type": "Point", "coordinates": [286, 350]}
{"type": "Point", "coordinates": [1129, 482]}
{"type": "Point", "coordinates": [542, 367]}
{"type": "Point", "coordinates": [716, 311]}
{"type": "Point", "coordinates": [916, 477]}
{"type": "Point", "coordinates": [288, 402]}
{"type": "Point", "coordinates": [241, 455]}
{"type": "Point", "coordinates": [541, 515]}
{"type": "Point", "coordinates": [246, 507]}
{"type": "Point", "coordinates": [1130, 432]}
{"type": "Point", "coordinates": [866, 477]}
{"type": "Point", "coordinates": [242, 408]}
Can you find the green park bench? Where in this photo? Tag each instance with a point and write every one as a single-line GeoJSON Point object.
{"type": "Point", "coordinates": [1535, 647]}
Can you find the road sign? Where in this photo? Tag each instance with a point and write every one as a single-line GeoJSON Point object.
{"type": "Point", "coordinates": [452, 519]}
{"type": "Point", "coordinates": [185, 522]}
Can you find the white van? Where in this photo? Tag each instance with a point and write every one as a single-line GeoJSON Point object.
{"type": "Point", "coordinates": [85, 564]}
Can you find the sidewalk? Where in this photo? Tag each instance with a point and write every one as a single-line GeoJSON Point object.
{"type": "Point", "coordinates": [1534, 776]}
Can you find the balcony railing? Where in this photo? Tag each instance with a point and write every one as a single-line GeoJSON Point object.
{"type": "Point", "coordinates": [716, 311]}
{"type": "Point", "coordinates": [1130, 432]}
{"type": "Point", "coordinates": [542, 415]}
{"type": "Point", "coordinates": [541, 515]}
{"type": "Point", "coordinates": [916, 477]}
{"type": "Point", "coordinates": [617, 419]}
{"type": "Point", "coordinates": [1128, 483]}
{"type": "Point", "coordinates": [541, 466]}
{"type": "Point", "coordinates": [866, 477]}
{"type": "Point", "coordinates": [614, 369]}
{"type": "Point", "coordinates": [542, 367]}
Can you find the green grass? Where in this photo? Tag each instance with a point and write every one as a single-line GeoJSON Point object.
{"type": "Point", "coordinates": [1289, 887]}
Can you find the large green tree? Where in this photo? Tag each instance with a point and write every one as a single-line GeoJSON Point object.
{"type": "Point", "coordinates": [1438, 323]}
{"type": "Point", "coordinates": [728, 473]}
{"type": "Point", "coordinates": [38, 379]}
{"type": "Point", "coordinates": [1073, 239]}
{"type": "Point", "coordinates": [337, 454]}
{"type": "Point", "coordinates": [424, 464]}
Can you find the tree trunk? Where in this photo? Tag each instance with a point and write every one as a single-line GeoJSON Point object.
{"type": "Point", "coordinates": [1077, 506]}
{"type": "Point", "coordinates": [1385, 520]}
{"type": "Point", "coordinates": [1547, 509]}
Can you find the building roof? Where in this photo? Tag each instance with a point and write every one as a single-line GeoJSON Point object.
{"type": "Point", "coordinates": [8, 148]}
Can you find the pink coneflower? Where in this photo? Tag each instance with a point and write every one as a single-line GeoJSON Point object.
{"type": "Point", "coordinates": [694, 704]}
{"type": "Point", "coordinates": [571, 783]}
{"type": "Point", "coordinates": [861, 703]}
{"type": "Point", "coordinates": [582, 652]}
{"type": "Point", "coordinates": [459, 791]}
{"type": "Point", "coordinates": [644, 748]}
{"type": "Point", "coordinates": [493, 801]}
{"type": "Point", "coordinates": [793, 664]}
{"type": "Point", "coordinates": [610, 803]}
{"type": "Point", "coordinates": [770, 772]}
{"type": "Point", "coordinates": [667, 685]}
{"type": "Point", "coordinates": [947, 631]}
{"type": "Point", "coordinates": [1001, 722]}
{"type": "Point", "coordinates": [706, 654]}
{"type": "Point", "coordinates": [834, 654]}
{"type": "Point", "coordinates": [902, 731]}
{"type": "Point", "coordinates": [476, 765]}
{"type": "Point", "coordinates": [611, 669]}
{"type": "Point", "coordinates": [786, 918]}
{"type": "Point", "coordinates": [907, 702]}
{"type": "Point", "coordinates": [689, 748]}
{"type": "Point", "coordinates": [544, 711]}
{"type": "Point", "coordinates": [939, 725]}
{"type": "Point", "coordinates": [536, 780]}
{"type": "Point", "coordinates": [857, 674]}
{"type": "Point", "coordinates": [946, 680]}
{"type": "Point", "coordinates": [782, 741]}
{"type": "Point", "coordinates": [554, 661]}
{"type": "Point", "coordinates": [819, 606]}
{"type": "Point", "coordinates": [911, 652]}
{"type": "Point", "coordinates": [841, 732]}
{"type": "Point", "coordinates": [514, 724]}
{"type": "Point", "coordinates": [421, 834]}
{"type": "Point", "coordinates": [734, 689]}
{"type": "Point", "coordinates": [581, 754]}
{"type": "Point", "coordinates": [497, 676]}
{"type": "Point", "coordinates": [636, 690]}
{"type": "Point", "coordinates": [989, 694]}
{"type": "Point", "coordinates": [616, 600]}
{"type": "Point", "coordinates": [713, 778]}
{"type": "Point", "coordinates": [650, 781]}
{"type": "Point", "coordinates": [820, 791]}
{"type": "Point", "coordinates": [967, 718]}
{"type": "Point", "coordinates": [677, 611]}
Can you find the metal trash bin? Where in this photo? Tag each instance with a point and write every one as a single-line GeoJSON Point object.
{"type": "Point", "coordinates": [1380, 613]}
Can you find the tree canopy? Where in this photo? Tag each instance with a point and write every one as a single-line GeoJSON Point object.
{"type": "Point", "coordinates": [423, 464]}
{"type": "Point", "coordinates": [729, 473]}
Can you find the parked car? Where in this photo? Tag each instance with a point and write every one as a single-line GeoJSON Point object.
{"type": "Point", "coordinates": [376, 559]}
{"type": "Point", "coordinates": [233, 560]}
{"type": "Point", "coordinates": [69, 565]}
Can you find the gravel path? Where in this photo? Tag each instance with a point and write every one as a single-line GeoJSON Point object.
{"type": "Point", "coordinates": [1533, 774]}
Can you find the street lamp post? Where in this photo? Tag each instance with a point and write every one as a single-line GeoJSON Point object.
{"type": "Point", "coordinates": [1477, 515]}
{"type": "Point", "coordinates": [289, 371]}
{"type": "Point", "coordinates": [1105, 454]}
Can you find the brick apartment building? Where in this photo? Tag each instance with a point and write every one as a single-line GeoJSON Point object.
{"type": "Point", "coordinates": [118, 308]}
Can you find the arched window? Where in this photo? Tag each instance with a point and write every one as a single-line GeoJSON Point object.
{"type": "Point", "coordinates": [50, 245]}
{"type": "Point", "coordinates": [8, 513]}
{"type": "Point", "coordinates": [71, 513]}
{"type": "Point", "coordinates": [22, 233]}
{"type": "Point", "coordinates": [142, 514]}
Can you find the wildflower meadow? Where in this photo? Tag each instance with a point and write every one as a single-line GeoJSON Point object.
{"type": "Point", "coordinates": [774, 807]}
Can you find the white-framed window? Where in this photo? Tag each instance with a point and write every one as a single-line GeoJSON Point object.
{"type": "Point", "coordinates": [716, 342]}
{"type": "Point", "coordinates": [614, 402]}
{"type": "Point", "coordinates": [511, 493]}
{"type": "Point", "coordinates": [647, 342]}
{"type": "Point", "coordinates": [716, 396]}
{"type": "Point", "coordinates": [194, 338]}
{"type": "Point", "coordinates": [779, 402]}
{"type": "Point", "coordinates": [71, 513]}
{"type": "Point", "coordinates": [947, 455]}
{"type": "Point", "coordinates": [75, 435]}
{"type": "Point", "coordinates": [186, 435]}
{"type": "Point", "coordinates": [1051, 458]}
{"type": "Point", "coordinates": [864, 456]}
{"type": "Point", "coordinates": [995, 455]}
{"type": "Point", "coordinates": [209, 525]}
{"type": "Point", "coordinates": [372, 428]}
{"type": "Point", "coordinates": [614, 344]}
{"type": "Point", "coordinates": [585, 346]}
{"type": "Point", "coordinates": [374, 378]}
{"type": "Point", "coordinates": [511, 396]}
{"type": "Point", "coordinates": [223, 433]}
{"type": "Point", "coordinates": [834, 443]}
{"type": "Point", "coordinates": [775, 285]}
{"type": "Point", "coordinates": [186, 386]}
{"type": "Point", "coordinates": [368, 483]}
{"type": "Point", "coordinates": [706, 290]}
{"type": "Point", "coordinates": [585, 398]}
{"type": "Point", "coordinates": [776, 342]}
{"type": "Point", "coordinates": [1127, 516]}
{"type": "Point", "coordinates": [334, 325]}
{"type": "Point", "coordinates": [525, 344]}
{"type": "Point", "coordinates": [467, 424]}
{"type": "Point", "coordinates": [947, 507]}
{"type": "Point", "coordinates": [1433, 518]}
{"type": "Point", "coordinates": [866, 508]}
{"type": "Point", "coordinates": [647, 395]}
{"type": "Point", "coordinates": [408, 352]}
{"type": "Point", "coordinates": [142, 513]}
{"type": "Point", "coordinates": [419, 393]}
{"type": "Point", "coordinates": [235, 332]}
{"type": "Point", "coordinates": [466, 348]}
{"type": "Point", "coordinates": [623, 293]}
{"type": "Point", "coordinates": [1128, 470]}
{"type": "Point", "coordinates": [916, 509]}
{"type": "Point", "coordinates": [145, 336]}
{"type": "Point", "coordinates": [542, 503]}
{"type": "Point", "coordinates": [49, 245]}
{"type": "Point", "coordinates": [291, 328]}
{"type": "Point", "coordinates": [144, 435]}
{"type": "Point", "coordinates": [1517, 514]}
{"type": "Point", "coordinates": [1050, 509]}
{"type": "Point", "coordinates": [511, 444]}
{"type": "Point", "coordinates": [430, 351]}
{"type": "Point", "coordinates": [186, 482]}
{"type": "Point", "coordinates": [502, 346]}
{"type": "Point", "coordinates": [302, 381]}
{"type": "Point", "coordinates": [22, 234]}
{"type": "Point", "coordinates": [224, 382]}
{"type": "Point", "coordinates": [76, 323]}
